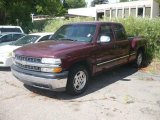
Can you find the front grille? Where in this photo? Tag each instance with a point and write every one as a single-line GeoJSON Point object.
{"type": "Point", "coordinates": [22, 64]}
{"type": "Point", "coordinates": [33, 68]}
{"type": "Point", "coordinates": [28, 59]}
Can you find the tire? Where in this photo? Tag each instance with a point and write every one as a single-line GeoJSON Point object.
{"type": "Point", "coordinates": [139, 59]}
{"type": "Point", "coordinates": [77, 80]}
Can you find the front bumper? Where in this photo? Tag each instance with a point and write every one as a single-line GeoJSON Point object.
{"type": "Point", "coordinates": [5, 61]}
{"type": "Point", "coordinates": [49, 81]}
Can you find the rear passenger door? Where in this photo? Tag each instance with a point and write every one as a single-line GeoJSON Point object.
{"type": "Point", "coordinates": [121, 46]}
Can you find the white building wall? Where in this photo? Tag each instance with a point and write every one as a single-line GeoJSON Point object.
{"type": "Point", "coordinates": [155, 10]}
{"type": "Point", "coordinates": [90, 11]}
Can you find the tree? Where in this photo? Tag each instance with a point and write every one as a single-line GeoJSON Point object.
{"type": "Point", "coordinates": [49, 7]}
{"type": "Point", "coordinates": [2, 12]}
{"type": "Point", "coordinates": [95, 2]}
{"type": "Point", "coordinates": [18, 11]}
{"type": "Point", "coordinates": [75, 3]}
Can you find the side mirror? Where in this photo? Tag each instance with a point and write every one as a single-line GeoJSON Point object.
{"type": "Point", "coordinates": [105, 39]}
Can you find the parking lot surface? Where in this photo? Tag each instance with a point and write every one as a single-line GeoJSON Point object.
{"type": "Point", "coordinates": [120, 94]}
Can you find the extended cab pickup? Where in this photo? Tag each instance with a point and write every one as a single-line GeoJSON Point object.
{"type": "Point", "coordinates": [75, 53]}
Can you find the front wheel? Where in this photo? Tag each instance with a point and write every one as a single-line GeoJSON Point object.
{"type": "Point", "coordinates": [139, 59]}
{"type": "Point", "coordinates": [77, 80]}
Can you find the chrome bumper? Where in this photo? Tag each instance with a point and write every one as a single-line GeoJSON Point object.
{"type": "Point", "coordinates": [40, 80]}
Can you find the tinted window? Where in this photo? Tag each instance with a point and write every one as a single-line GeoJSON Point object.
{"type": "Point", "coordinates": [6, 38]}
{"type": "Point", "coordinates": [17, 36]}
{"type": "Point", "coordinates": [120, 32]}
{"type": "Point", "coordinates": [26, 40]}
{"type": "Point", "coordinates": [106, 30]}
{"type": "Point", "coordinates": [78, 32]}
{"type": "Point", "coordinates": [10, 30]}
{"type": "Point", "coordinates": [44, 38]}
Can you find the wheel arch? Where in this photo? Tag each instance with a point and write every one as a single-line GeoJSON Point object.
{"type": "Point", "coordinates": [84, 63]}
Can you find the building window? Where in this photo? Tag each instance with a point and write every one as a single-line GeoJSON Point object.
{"type": "Point", "coordinates": [133, 12]}
{"type": "Point", "coordinates": [126, 12]}
{"type": "Point", "coordinates": [147, 11]}
{"type": "Point", "coordinates": [100, 15]}
{"type": "Point", "coordinates": [107, 13]}
{"type": "Point", "coordinates": [114, 13]}
{"type": "Point", "coordinates": [140, 11]}
{"type": "Point", "coordinates": [119, 13]}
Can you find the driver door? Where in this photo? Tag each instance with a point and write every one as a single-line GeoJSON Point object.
{"type": "Point", "coordinates": [105, 50]}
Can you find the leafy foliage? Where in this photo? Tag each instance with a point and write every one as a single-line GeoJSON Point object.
{"type": "Point", "coordinates": [18, 11]}
{"type": "Point", "coordinates": [53, 25]}
{"type": "Point", "coordinates": [74, 3]}
{"type": "Point", "coordinates": [94, 2]}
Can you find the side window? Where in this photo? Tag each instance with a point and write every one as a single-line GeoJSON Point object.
{"type": "Point", "coordinates": [120, 33]}
{"type": "Point", "coordinates": [44, 38]}
{"type": "Point", "coordinates": [17, 36]}
{"type": "Point", "coordinates": [105, 30]}
{"type": "Point", "coordinates": [7, 38]}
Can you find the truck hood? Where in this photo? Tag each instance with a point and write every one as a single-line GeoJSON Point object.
{"type": "Point", "coordinates": [49, 48]}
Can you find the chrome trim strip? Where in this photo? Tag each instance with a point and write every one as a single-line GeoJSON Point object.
{"type": "Point", "coordinates": [114, 59]}
{"type": "Point", "coordinates": [35, 64]}
{"type": "Point", "coordinates": [133, 53]}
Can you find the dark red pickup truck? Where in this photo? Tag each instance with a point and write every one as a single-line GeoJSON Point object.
{"type": "Point", "coordinates": [75, 53]}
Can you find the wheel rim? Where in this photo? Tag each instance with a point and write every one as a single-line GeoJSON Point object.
{"type": "Point", "coordinates": [139, 59]}
{"type": "Point", "coordinates": [80, 80]}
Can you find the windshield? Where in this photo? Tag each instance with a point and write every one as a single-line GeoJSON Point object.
{"type": "Point", "coordinates": [26, 40]}
{"type": "Point", "coordinates": [80, 32]}
{"type": "Point", "coordinates": [10, 30]}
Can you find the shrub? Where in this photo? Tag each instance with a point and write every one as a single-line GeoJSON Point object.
{"type": "Point", "coordinates": [53, 25]}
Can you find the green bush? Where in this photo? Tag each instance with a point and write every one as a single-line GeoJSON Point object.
{"type": "Point", "coordinates": [53, 25]}
{"type": "Point", "coordinates": [38, 26]}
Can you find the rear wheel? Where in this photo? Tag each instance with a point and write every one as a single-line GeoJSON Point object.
{"type": "Point", "coordinates": [77, 80]}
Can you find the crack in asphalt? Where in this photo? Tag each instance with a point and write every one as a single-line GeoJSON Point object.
{"type": "Point", "coordinates": [11, 84]}
{"type": "Point", "coordinates": [82, 101]}
{"type": "Point", "coordinates": [13, 96]}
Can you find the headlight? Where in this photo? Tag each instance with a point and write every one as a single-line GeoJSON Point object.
{"type": "Point", "coordinates": [9, 54]}
{"type": "Point", "coordinates": [54, 61]}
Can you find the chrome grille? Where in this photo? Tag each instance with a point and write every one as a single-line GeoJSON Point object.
{"type": "Point", "coordinates": [34, 68]}
{"type": "Point", "coordinates": [28, 59]}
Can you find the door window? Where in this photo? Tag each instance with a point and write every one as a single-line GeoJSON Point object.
{"type": "Point", "coordinates": [17, 36]}
{"type": "Point", "coordinates": [106, 30]}
{"type": "Point", "coordinates": [120, 33]}
{"type": "Point", "coordinates": [44, 38]}
{"type": "Point", "coordinates": [6, 38]}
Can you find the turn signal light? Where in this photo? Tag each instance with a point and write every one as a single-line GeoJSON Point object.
{"type": "Point", "coordinates": [57, 70]}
